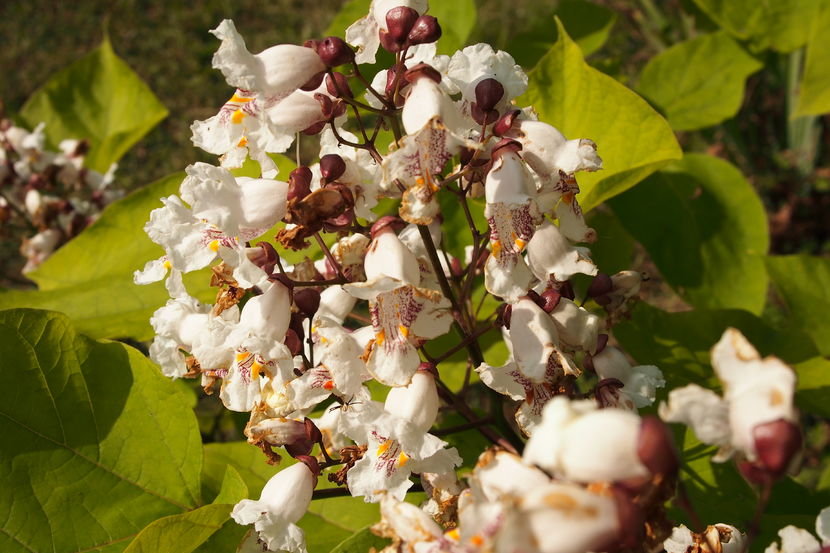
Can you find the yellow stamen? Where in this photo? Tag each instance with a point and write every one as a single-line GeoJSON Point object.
{"type": "Point", "coordinates": [520, 243]}
{"type": "Point", "coordinates": [167, 264]}
{"type": "Point", "coordinates": [496, 246]}
{"type": "Point", "coordinates": [453, 534]}
{"type": "Point", "coordinates": [256, 369]}
{"type": "Point", "coordinates": [214, 245]}
{"type": "Point", "coordinates": [380, 337]}
{"type": "Point", "coordinates": [240, 357]}
{"type": "Point", "coordinates": [476, 540]}
{"type": "Point", "coordinates": [383, 447]}
{"type": "Point", "coordinates": [404, 331]}
{"type": "Point", "coordinates": [402, 459]}
{"type": "Point", "coordinates": [237, 116]}
{"type": "Point", "coordinates": [242, 142]}
{"type": "Point", "coordinates": [239, 99]}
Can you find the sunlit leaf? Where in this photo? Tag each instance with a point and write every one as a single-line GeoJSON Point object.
{"type": "Point", "coordinates": [457, 19]}
{"type": "Point", "coordinates": [632, 139]}
{"type": "Point", "coordinates": [814, 94]}
{"type": "Point", "coordinates": [700, 82]}
{"type": "Point", "coordinates": [705, 228]}
{"type": "Point", "coordinates": [96, 443]}
{"type": "Point", "coordinates": [98, 98]}
{"type": "Point", "coordinates": [181, 533]}
{"type": "Point", "coordinates": [361, 542]}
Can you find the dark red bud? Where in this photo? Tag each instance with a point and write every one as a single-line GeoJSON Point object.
{"type": "Point", "coordinates": [326, 105]}
{"type": "Point", "coordinates": [602, 341]}
{"type": "Point", "coordinates": [299, 449]}
{"type": "Point", "coordinates": [312, 431]}
{"type": "Point", "coordinates": [600, 286]}
{"type": "Point", "coordinates": [388, 42]}
{"type": "Point", "coordinates": [307, 300]}
{"type": "Point", "coordinates": [314, 82]}
{"type": "Point", "coordinates": [550, 299]}
{"type": "Point", "coordinates": [339, 86]}
{"type": "Point", "coordinates": [602, 300]}
{"type": "Point", "coordinates": [390, 81]}
{"type": "Point", "coordinates": [504, 146]}
{"type": "Point", "coordinates": [630, 518]}
{"type": "Point", "coordinates": [334, 51]}
{"type": "Point", "coordinates": [399, 22]}
{"type": "Point", "coordinates": [777, 443]}
{"type": "Point", "coordinates": [387, 221]}
{"type": "Point", "coordinates": [483, 117]}
{"type": "Point", "coordinates": [332, 167]}
{"type": "Point", "coordinates": [425, 30]}
{"type": "Point", "coordinates": [534, 296]}
{"type": "Point", "coordinates": [488, 93]}
{"type": "Point", "coordinates": [567, 290]}
{"type": "Point", "coordinates": [505, 310]}
{"type": "Point", "coordinates": [504, 124]}
{"type": "Point", "coordinates": [422, 70]}
{"type": "Point", "coordinates": [293, 342]}
{"type": "Point", "coordinates": [655, 447]}
{"type": "Point", "coordinates": [299, 183]}
{"type": "Point", "coordinates": [297, 324]}
{"type": "Point", "coordinates": [266, 257]}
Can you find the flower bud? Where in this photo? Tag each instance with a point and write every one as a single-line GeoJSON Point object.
{"type": "Point", "coordinates": [265, 257]}
{"type": "Point", "coordinates": [312, 431]}
{"type": "Point", "coordinates": [299, 183]}
{"type": "Point", "coordinates": [307, 301]}
{"type": "Point", "coordinates": [314, 82]}
{"type": "Point", "coordinates": [505, 145]}
{"type": "Point", "coordinates": [505, 123]}
{"type": "Point", "coordinates": [425, 30]}
{"type": "Point", "coordinates": [334, 51]}
{"type": "Point", "coordinates": [296, 324]}
{"type": "Point", "coordinates": [503, 317]}
{"type": "Point", "coordinates": [332, 167]}
{"type": "Point", "coordinates": [488, 93]}
{"type": "Point", "coordinates": [600, 286]}
{"type": "Point", "coordinates": [293, 342]}
{"type": "Point", "coordinates": [417, 402]}
{"type": "Point", "coordinates": [483, 117]}
{"type": "Point", "coordinates": [399, 22]}
{"type": "Point", "coordinates": [389, 43]}
{"type": "Point", "coordinates": [533, 296]}
{"type": "Point", "coordinates": [776, 444]}
{"type": "Point", "coordinates": [339, 85]}
{"type": "Point", "coordinates": [422, 70]}
{"type": "Point", "coordinates": [550, 299]}
{"type": "Point", "coordinates": [655, 447]}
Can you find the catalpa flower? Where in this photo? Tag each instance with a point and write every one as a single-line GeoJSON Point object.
{"type": "Point", "coordinates": [717, 537]}
{"type": "Point", "coordinates": [365, 32]}
{"type": "Point", "coordinates": [402, 313]}
{"type": "Point", "coordinates": [756, 415]}
{"type": "Point", "coordinates": [797, 540]}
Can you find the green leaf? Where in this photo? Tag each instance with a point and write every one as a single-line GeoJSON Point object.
{"type": "Point", "coordinates": [587, 23]}
{"type": "Point", "coordinates": [96, 444]}
{"type": "Point", "coordinates": [700, 82]}
{"type": "Point", "coordinates": [91, 278]}
{"type": "Point", "coordinates": [777, 24]}
{"type": "Point", "coordinates": [233, 488]}
{"type": "Point", "coordinates": [361, 542]}
{"type": "Point", "coordinates": [98, 98]}
{"type": "Point", "coordinates": [351, 11]}
{"type": "Point", "coordinates": [455, 229]}
{"type": "Point", "coordinates": [706, 230]}
{"type": "Point", "coordinates": [614, 249]}
{"type": "Point", "coordinates": [804, 283]}
{"type": "Point", "coordinates": [814, 95]}
{"type": "Point", "coordinates": [181, 533]}
{"type": "Point", "coordinates": [632, 139]}
{"type": "Point", "coordinates": [457, 19]}
{"type": "Point", "coordinates": [679, 343]}
{"type": "Point", "coordinates": [248, 462]}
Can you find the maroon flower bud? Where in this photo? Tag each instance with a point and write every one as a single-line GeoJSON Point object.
{"type": "Point", "coordinates": [602, 300]}
{"type": "Point", "coordinates": [312, 431]}
{"type": "Point", "coordinates": [389, 43]}
{"type": "Point", "coordinates": [602, 341]}
{"type": "Point", "coordinates": [534, 296]}
{"type": "Point", "coordinates": [339, 86]}
{"type": "Point", "coordinates": [386, 221]}
{"type": "Point", "coordinates": [334, 51]}
{"type": "Point", "coordinates": [483, 117]}
{"type": "Point", "coordinates": [314, 82]}
{"type": "Point", "coordinates": [266, 257]}
{"type": "Point", "coordinates": [326, 105]}
{"type": "Point", "coordinates": [422, 70]}
{"type": "Point", "coordinates": [81, 149]}
{"type": "Point", "coordinates": [425, 30]}
{"type": "Point", "coordinates": [299, 183]}
{"type": "Point", "coordinates": [390, 81]}
{"type": "Point", "coordinates": [504, 312]}
{"type": "Point", "coordinates": [567, 290]}
{"type": "Point", "coordinates": [550, 299]}
{"type": "Point", "coordinates": [293, 342]}
{"type": "Point", "coordinates": [466, 155]}
{"type": "Point", "coordinates": [504, 124]}
{"type": "Point", "coordinates": [299, 448]}
{"type": "Point", "coordinates": [600, 286]}
{"type": "Point", "coordinates": [504, 146]}
{"type": "Point", "coordinates": [307, 301]}
{"type": "Point", "coordinates": [399, 21]}
{"type": "Point", "coordinates": [297, 325]}
{"type": "Point", "coordinates": [655, 447]}
{"type": "Point", "coordinates": [777, 443]}
{"type": "Point", "coordinates": [332, 167]}
{"type": "Point", "coordinates": [488, 93]}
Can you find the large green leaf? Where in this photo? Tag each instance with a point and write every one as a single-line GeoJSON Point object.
{"type": "Point", "coordinates": [587, 23]}
{"type": "Point", "coordinates": [777, 24]}
{"type": "Point", "coordinates": [679, 343]}
{"type": "Point", "coordinates": [181, 533]}
{"type": "Point", "coordinates": [98, 98]}
{"type": "Point", "coordinates": [361, 542]}
{"type": "Point", "coordinates": [804, 283]}
{"type": "Point", "coordinates": [94, 442]}
{"type": "Point", "coordinates": [351, 11]}
{"type": "Point", "coordinates": [457, 19]}
{"type": "Point", "coordinates": [706, 230]}
{"type": "Point", "coordinates": [700, 82]}
{"type": "Point", "coordinates": [814, 95]}
{"type": "Point", "coordinates": [632, 139]}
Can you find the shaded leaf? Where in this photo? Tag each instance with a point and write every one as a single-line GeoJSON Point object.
{"type": "Point", "coordinates": [98, 98]}
{"type": "Point", "coordinates": [181, 533]}
{"type": "Point", "coordinates": [700, 82]}
{"type": "Point", "coordinates": [814, 95]}
{"type": "Point", "coordinates": [96, 443]}
{"type": "Point", "coordinates": [777, 24]}
{"type": "Point", "coordinates": [632, 139]}
{"type": "Point", "coordinates": [457, 19]}
{"type": "Point", "coordinates": [351, 11]}
{"type": "Point", "coordinates": [804, 283]}
{"type": "Point", "coordinates": [706, 230]}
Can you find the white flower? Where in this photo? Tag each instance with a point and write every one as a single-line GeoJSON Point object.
{"type": "Point", "coordinates": [475, 63]}
{"type": "Point", "coordinates": [284, 500]}
{"type": "Point", "coordinates": [717, 537]}
{"type": "Point", "coordinates": [362, 174]}
{"type": "Point", "coordinates": [551, 255]}
{"type": "Point", "coordinates": [640, 383]}
{"type": "Point", "coordinates": [796, 540]}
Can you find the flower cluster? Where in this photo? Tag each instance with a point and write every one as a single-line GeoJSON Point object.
{"type": "Point", "coordinates": [311, 348]}
{"type": "Point", "coordinates": [47, 197]}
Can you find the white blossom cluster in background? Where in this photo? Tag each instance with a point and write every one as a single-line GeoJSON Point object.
{"type": "Point", "coordinates": [299, 346]}
{"type": "Point", "coordinates": [47, 198]}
